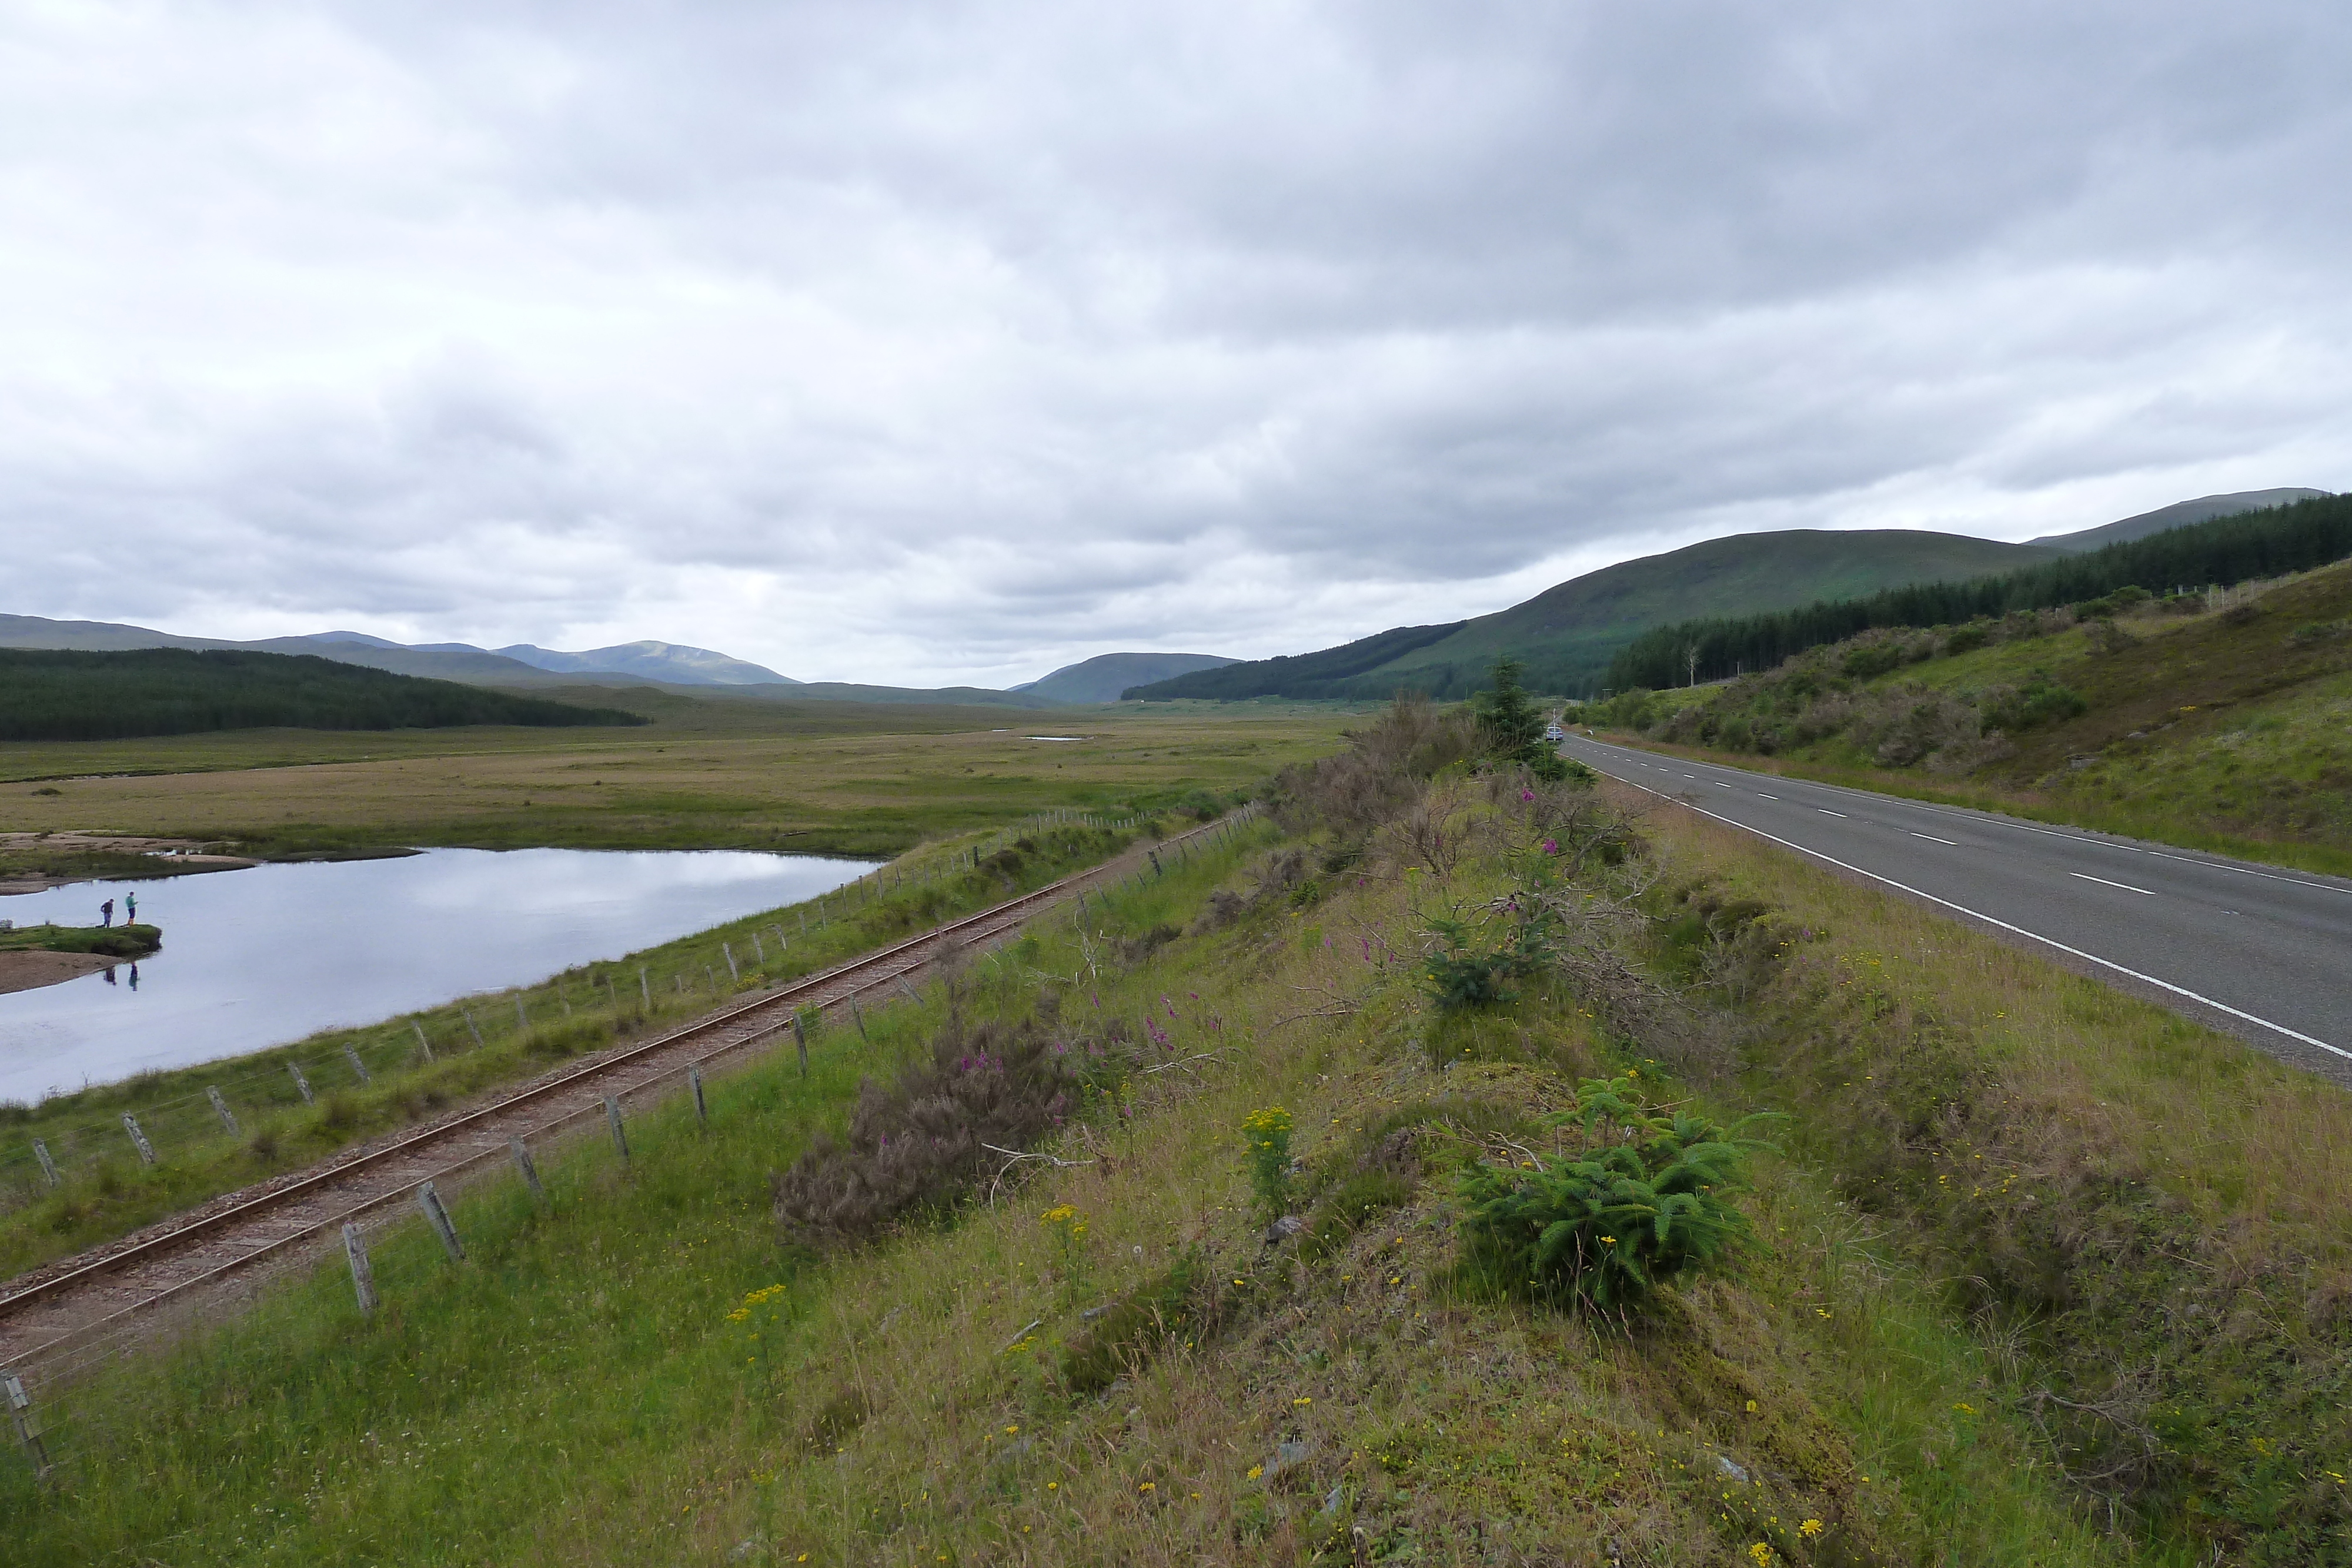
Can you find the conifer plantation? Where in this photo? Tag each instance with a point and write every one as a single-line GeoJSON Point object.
{"type": "Point", "coordinates": [56, 694]}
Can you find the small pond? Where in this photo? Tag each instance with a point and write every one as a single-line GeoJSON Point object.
{"type": "Point", "coordinates": [256, 958]}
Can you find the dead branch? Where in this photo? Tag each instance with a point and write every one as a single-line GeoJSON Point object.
{"type": "Point", "coordinates": [1014, 1158]}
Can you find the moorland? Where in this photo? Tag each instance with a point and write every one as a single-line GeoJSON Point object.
{"type": "Point", "coordinates": [819, 776]}
{"type": "Point", "coordinates": [1967, 1262]}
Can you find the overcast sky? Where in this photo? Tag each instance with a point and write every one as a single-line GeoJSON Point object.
{"type": "Point", "coordinates": [921, 343]}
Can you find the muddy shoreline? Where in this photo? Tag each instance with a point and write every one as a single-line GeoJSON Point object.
{"type": "Point", "coordinates": [30, 968]}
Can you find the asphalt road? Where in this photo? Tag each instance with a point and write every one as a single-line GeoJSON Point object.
{"type": "Point", "coordinates": [2264, 952]}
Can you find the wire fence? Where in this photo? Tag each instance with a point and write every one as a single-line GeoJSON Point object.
{"type": "Point", "coordinates": [255, 1097]}
{"type": "Point", "coordinates": [58, 1403]}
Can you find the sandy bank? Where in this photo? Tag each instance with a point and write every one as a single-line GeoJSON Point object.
{"type": "Point", "coordinates": [30, 969]}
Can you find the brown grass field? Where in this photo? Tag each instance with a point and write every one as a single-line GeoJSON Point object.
{"type": "Point", "coordinates": [713, 774]}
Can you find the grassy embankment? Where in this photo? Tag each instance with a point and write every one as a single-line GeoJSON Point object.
{"type": "Point", "coordinates": [2229, 730]}
{"type": "Point", "coordinates": [818, 778]}
{"type": "Point", "coordinates": [2086, 1273]}
{"type": "Point", "coordinates": [522, 1032]}
{"type": "Point", "coordinates": [125, 941]}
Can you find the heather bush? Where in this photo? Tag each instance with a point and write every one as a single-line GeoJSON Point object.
{"type": "Point", "coordinates": [920, 1143]}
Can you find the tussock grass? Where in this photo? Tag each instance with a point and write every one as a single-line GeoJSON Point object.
{"type": "Point", "coordinates": [2153, 1219]}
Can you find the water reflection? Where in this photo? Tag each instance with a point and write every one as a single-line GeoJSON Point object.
{"type": "Point", "coordinates": [259, 957]}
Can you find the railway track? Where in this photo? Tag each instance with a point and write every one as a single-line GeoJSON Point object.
{"type": "Point", "coordinates": [54, 1317]}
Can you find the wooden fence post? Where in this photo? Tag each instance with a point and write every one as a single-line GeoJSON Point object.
{"type": "Point", "coordinates": [760, 948]}
{"type": "Point", "coordinates": [733, 973]}
{"type": "Point", "coordinates": [694, 1082]}
{"type": "Point", "coordinates": [471, 1027]}
{"type": "Point", "coordinates": [49, 1166]}
{"type": "Point", "coordinates": [220, 1109]}
{"type": "Point", "coordinates": [564, 997]}
{"type": "Point", "coordinates": [620, 1137]}
{"type": "Point", "coordinates": [28, 1423]}
{"type": "Point", "coordinates": [911, 995]}
{"type": "Point", "coordinates": [138, 1139]}
{"type": "Point", "coordinates": [522, 1151]}
{"type": "Point", "coordinates": [430, 1202]}
{"type": "Point", "coordinates": [860, 1019]}
{"type": "Point", "coordinates": [301, 1082]}
{"type": "Point", "coordinates": [800, 1038]}
{"type": "Point", "coordinates": [423, 1044]}
{"type": "Point", "coordinates": [522, 1019]}
{"type": "Point", "coordinates": [643, 990]}
{"type": "Point", "coordinates": [357, 1065]}
{"type": "Point", "coordinates": [362, 1275]}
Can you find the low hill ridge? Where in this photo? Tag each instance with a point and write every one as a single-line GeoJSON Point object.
{"type": "Point", "coordinates": [1102, 678]}
{"type": "Point", "coordinates": [2180, 514]}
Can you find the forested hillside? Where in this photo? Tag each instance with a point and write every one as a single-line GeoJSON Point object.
{"type": "Point", "coordinates": [2222, 552]}
{"type": "Point", "coordinates": [1566, 636]}
{"type": "Point", "coordinates": [2221, 720]}
{"type": "Point", "coordinates": [61, 695]}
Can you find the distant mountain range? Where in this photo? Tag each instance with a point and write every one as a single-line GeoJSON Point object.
{"type": "Point", "coordinates": [697, 670]}
{"type": "Point", "coordinates": [673, 664]}
{"type": "Point", "coordinates": [1567, 634]}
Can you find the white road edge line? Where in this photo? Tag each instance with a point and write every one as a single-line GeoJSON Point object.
{"type": "Point", "coordinates": [1934, 840]}
{"type": "Point", "coordinates": [2021, 931]}
{"type": "Point", "coordinates": [2103, 882]}
{"type": "Point", "coordinates": [1996, 820]}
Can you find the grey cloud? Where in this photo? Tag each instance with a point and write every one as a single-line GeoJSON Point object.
{"type": "Point", "coordinates": [1047, 329]}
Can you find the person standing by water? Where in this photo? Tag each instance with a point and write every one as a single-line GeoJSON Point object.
{"type": "Point", "coordinates": [131, 909]}
{"type": "Point", "coordinates": [106, 912]}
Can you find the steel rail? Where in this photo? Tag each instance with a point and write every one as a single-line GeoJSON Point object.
{"type": "Point", "coordinates": [97, 1329]}
{"type": "Point", "coordinates": [182, 1237]}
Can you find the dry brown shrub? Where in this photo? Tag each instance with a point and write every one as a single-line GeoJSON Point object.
{"type": "Point", "coordinates": [1380, 775]}
{"type": "Point", "coordinates": [922, 1142]}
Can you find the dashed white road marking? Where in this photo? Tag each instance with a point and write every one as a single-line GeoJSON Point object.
{"type": "Point", "coordinates": [2103, 882]}
{"type": "Point", "coordinates": [1934, 840]}
{"type": "Point", "coordinates": [1825, 812]}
